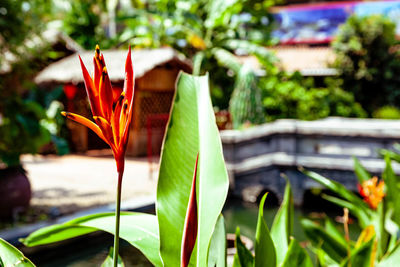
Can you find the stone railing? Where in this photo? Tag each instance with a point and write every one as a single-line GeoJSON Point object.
{"type": "Point", "coordinates": [256, 156]}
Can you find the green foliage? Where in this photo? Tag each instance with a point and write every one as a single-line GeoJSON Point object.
{"type": "Point", "coordinates": [20, 20]}
{"type": "Point", "coordinates": [368, 61]}
{"type": "Point", "coordinates": [82, 22]}
{"type": "Point", "coordinates": [296, 256]}
{"type": "Point", "coordinates": [243, 256]}
{"type": "Point", "coordinates": [245, 105]}
{"type": "Point", "coordinates": [10, 256]}
{"type": "Point", "coordinates": [197, 28]}
{"type": "Point", "coordinates": [292, 96]}
{"type": "Point", "coordinates": [277, 248]}
{"type": "Point", "coordinates": [377, 242]}
{"type": "Point", "coordinates": [140, 230]}
{"type": "Point", "coordinates": [282, 227]}
{"type": "Point", "coordinates": [192, 118]}
{"type": "Point", "coordinates": [387, 112]}
{"type": "Point", "coordinates": [265, 253]}
{"type": "Point", "coordinates": [218, 245]}
{"type": "Point", "coordinates": [20, 130]}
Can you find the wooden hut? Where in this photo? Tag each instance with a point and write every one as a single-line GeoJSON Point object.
{"type": "Point", "coordinates": [155, 73]}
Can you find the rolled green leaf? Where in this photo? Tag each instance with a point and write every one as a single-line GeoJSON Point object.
{"type": "Point", "coordinates": [282, 226]}
{"type": "Point", "coordinates": [265, 255]}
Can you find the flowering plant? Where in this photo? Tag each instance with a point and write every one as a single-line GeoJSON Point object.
{"type": "Point", "coordinates": [112, 113]}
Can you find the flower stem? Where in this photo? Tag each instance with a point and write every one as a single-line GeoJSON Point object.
{"type": "Point", "coordinates": [117, 217]}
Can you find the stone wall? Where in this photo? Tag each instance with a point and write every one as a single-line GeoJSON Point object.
{"type": "Point", "coordinates": [256, 157]}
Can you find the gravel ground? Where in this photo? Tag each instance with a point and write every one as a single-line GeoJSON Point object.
{"type": "Point", "coordinates": [71, 183]}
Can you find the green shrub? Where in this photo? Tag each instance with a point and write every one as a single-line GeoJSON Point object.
{"type": "Point", "coordinates": [296, 97]}
{"type": "Point", "coordinates": [367, 61]}
{"type": "Point", "coordinates": [387, 112]}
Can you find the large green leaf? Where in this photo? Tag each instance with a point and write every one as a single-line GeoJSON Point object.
{"type": "Point", "coordinates": [361, 173]}
{"type": "Point", "coordinates": [296, 256]}
{"type": "Point", "coordinates": [191, 130]}
{"type": "Point", "coordinates": [11, 256]}
{"type": "Point", "coordinates": [217, 250]}
{"type": "Point", "coordinates": [282, 226]}
{"type": "Point", "coordinates": [243, 256]}
{"type": "Point", "coordinates": [265, 254]}
{"type": "Point", "coordinates": [140, 230]}
{"type": "Point", "coordinates": [319, 236]}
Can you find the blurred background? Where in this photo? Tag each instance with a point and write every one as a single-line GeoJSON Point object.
{"type": "Point", "coordinates": [267, 60]}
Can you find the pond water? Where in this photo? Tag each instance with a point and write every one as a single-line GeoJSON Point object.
{"type": "Point", "coordinates": [93, 250]}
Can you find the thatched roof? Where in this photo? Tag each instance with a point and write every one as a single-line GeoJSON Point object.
{"type": "Point", "coordinates": [68, 70]}
{"type": "Point", "coordinates": [50, 37]}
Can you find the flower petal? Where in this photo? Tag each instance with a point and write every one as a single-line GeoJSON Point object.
{"type": "Point", "coordinates": [91, 91]}
{"type": "Point", "coordinates": [106, 97]}
{"type": "Point", "coordinates": [129, 85]}
{"type": "Point", "coordinates": [105, 128]}
{"type": "Point", "coordinates": [82, 120]}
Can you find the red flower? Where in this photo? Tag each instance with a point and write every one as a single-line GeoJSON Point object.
{"type": "Point", "coordinates": [111, 107]}
{"type": "Point", "coordinates": [372, 191]}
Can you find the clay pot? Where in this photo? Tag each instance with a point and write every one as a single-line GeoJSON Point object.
{"type": "Point", "coordinates": [15, 192]}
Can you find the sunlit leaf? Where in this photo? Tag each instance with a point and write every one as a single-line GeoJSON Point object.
{"type": "Point", "coordinates": [11, 256]}
{"type": "Point", "coordinates": [217, 251]}
{"type": "Point", "coordinates": [282, 226]}
{"type": "Point", "coordinates": [140, 230]}
{"type": "Point", "coordinates": [265, 254]}
{"type": "Point", "coordinates": [392, 258]}
{"type": "Point", "coordinates": [191, 129]}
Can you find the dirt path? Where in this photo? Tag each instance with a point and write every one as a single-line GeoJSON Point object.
{"type": "Point", "coordinates": [71, 183]}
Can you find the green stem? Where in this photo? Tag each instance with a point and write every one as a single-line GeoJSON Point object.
{"type": "Point", "coordinates": [117, 217]}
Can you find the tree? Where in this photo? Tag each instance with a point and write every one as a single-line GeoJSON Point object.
{"type": "Point", "coordinates": [200, 30]}
{"type": "Point", "coordinates": [368, 61]}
